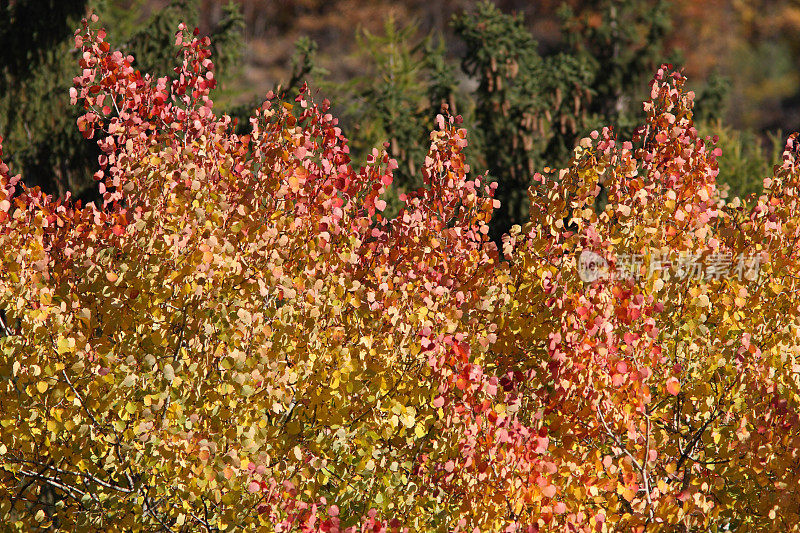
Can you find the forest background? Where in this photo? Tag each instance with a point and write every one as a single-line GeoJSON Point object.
{"type": "Point", "coordinates": [530, 78]}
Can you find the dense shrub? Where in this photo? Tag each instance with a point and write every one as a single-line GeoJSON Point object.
{"type": "Point", "coordinates": [237, 338]}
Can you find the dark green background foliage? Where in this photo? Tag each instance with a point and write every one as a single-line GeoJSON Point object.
{"type": "Point", "coordinates": [529, 108]}
{"type": "Point", "coordinates": [525, 109]}
{"type": "Point", "coordinates": [36, 68]}
{"type": "Point", "coordinates": [38, 63]}
{"type": "Point", "coordinates": [396, 100]}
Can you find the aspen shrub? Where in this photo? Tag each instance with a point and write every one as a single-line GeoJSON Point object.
{"type": "Point", "coordinates": [237, 339]}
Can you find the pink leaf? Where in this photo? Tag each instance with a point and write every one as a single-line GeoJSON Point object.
{"type": "Point", "coordinates": [673, 386]}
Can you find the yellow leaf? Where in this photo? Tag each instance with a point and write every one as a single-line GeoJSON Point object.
{"type": "Point", "coordinates": [518, 505]}
{"type": "Point", "coordinates": [41, 386]}
{"type": "Point", "coordinates": [65, 345]}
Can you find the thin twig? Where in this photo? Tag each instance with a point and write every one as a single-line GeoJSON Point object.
{"type": "Point", "coordinates": [57, 484]}
{"type": "Point", "coordinates": [78, 396]}
{"type": "Point", "coordinates": [84, 475]}
{"type": "Point", "coordinates": [4, 327]}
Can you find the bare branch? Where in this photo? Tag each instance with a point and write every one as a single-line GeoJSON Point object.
{"type": "Point", "coordinates": [84, 475]}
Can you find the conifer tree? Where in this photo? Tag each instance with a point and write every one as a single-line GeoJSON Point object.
{"type": "Point", "coordinates": [38, 64]}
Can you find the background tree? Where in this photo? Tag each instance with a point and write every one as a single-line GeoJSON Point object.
{"type": "Point", "coordinates": [528, 108]}
{"type": "Point", "coordinates": [37, 66]}
{"type": "Point", "coordinates": [746, 159]}
{"type": "Point", "coordinates": [623, 43]}
{"type": "Point", "coordinates": [407, 81]}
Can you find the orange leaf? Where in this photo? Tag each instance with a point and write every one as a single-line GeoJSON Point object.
{"type": "Point", "coordinates": [673, 386]}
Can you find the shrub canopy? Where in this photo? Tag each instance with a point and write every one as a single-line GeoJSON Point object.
{"type": "Point", "coordinates": [237, 338]}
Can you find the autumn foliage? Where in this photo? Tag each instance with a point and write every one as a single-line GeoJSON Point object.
{"type": "Point", "coordinates": [237, 339]}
